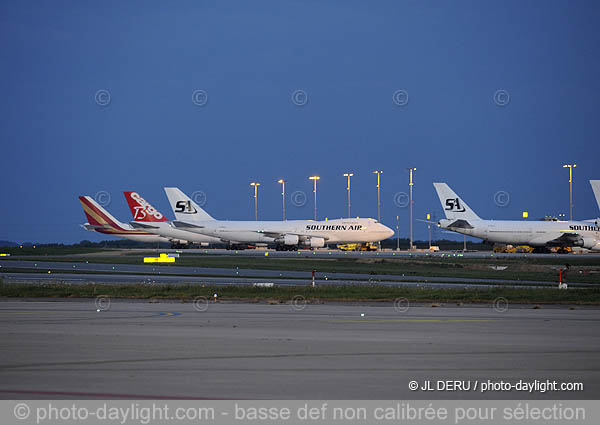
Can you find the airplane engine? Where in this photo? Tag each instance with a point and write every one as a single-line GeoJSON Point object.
{"type": "Point", "coordinates": [591, 243]}
{"type": "Point", "coordinates": [290, 240]}
{"type": "Point", "coordinates": [317, 242]}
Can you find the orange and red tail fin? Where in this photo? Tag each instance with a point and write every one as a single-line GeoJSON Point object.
{"type": "Point", "coordinates": [98, 216]}
{"type": "Point", "coordinates": [141, 210]}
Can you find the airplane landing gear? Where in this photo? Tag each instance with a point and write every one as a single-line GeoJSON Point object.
{"type": "Point", "coordinates": [282, 247]}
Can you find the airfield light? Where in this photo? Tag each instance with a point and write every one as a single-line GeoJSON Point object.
{"type": "Point", "coordinates": [282, 183]}
{"type": "Point", "coordinates": [348, 175]}
{"type": "Point", "coordinates": [570, 167]}
{"type": "Point", "coordinates": [314, 179]}
{"type": "Point", "coordinates": [255, 184]}
{"type": "Point", "coordinates": [525, 214]}
{"type": "Point", "coordinates": [411, 184]}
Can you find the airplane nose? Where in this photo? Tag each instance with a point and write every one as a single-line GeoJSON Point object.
{"type": "Point", "coordinates": [388, 232]}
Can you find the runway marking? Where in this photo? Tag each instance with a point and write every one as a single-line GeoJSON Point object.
{"type": "Point", "coordinates": [169, 314]}
{"type": "Point", "coordinates": [32, 312]}
{"type": "Point", "coordinates": [88, 363]}
{"type": "Point", "coordinates": [103, 395]}
{"type": "Point", "coordinates": [414, 320]}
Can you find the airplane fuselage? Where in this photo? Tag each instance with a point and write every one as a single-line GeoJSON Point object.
{"type": "Point", "coordinates": [294, 232]}
{"type": "Point", "coordinates": [584, 234]}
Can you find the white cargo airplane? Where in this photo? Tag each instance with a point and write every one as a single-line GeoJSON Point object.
{"type": "Point", "coordinates": [538, 234]}
{"type": "Point", "coordinates": [149, 219]}
{"type": "Point", "coordinates": [286, 235]}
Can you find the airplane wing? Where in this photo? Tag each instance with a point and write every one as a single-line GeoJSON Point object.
{"type": "Point", "coordinates": [185, 225]}
{"type": "Point", "coordinates": [566, 239]}
{"type": "Point", "coordinates": [88, 226]}
{"type": "Point", "coordinates": [460, 224]}
{"type": "Point", "coordinates": [276, 235]}
{"type": "Point", "coordinates": [138, 225]}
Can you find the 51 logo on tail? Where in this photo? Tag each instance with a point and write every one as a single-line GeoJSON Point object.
{"type": "Point", "coordinates": [454, 205]}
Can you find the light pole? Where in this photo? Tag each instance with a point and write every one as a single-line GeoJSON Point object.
{"type": "Point", "coordinates": [397, 233]}
{"type": "Point", "coordinates": [314, 179]}
{"type": "Point", "coordinates": [429, 229]}
{"type": "Point", "coordinates": [348, 175]}
{"type": "Point", "coordinates": [379, 173]}
{"type": "Point", "coordinates": [282, 182]}
{"type": "Point", "coordinates": [570, 167]}
{"type": "Point", "coordinates": [255, 184]}
{"type": "Point", "coordinates": [411, 205]}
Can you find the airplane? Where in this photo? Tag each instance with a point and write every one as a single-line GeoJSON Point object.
{"type": "Point", "coordinates": [149, 219]}
{"type": "Point", "coordinates": [538, 234]}
{"type": "Point", "coordinates": [287, 235]}
{"type": "Point", "coordinates": [101, 221]}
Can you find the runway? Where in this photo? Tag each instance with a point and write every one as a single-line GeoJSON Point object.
{"type": "Point", "coordinates": [132, 273]}
{"type": "Point", "coordinates": [76, 278]}
{"type": "Point", "coordinates": [336, 253]}
{"type": "Point", "coordinates": [67, 349]}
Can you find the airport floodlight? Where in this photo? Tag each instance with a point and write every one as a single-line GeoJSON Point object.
{"type": "Point", "coordinates": [282, 183]}
{"type": "Point", "coordinates": [570, 167]}
{"type": "Point", "coordinates": [255, 185]}
{"type": "Point", "coordinates": [411, 184]}
{"type": "Point", "coordinates": [315, 179]}
{"type": "Point", "coordinates": [379, 173]}
{"type": "Point", "coordinates": [429, 228]}
{"type": "Point", "coordinates": [348, 175]}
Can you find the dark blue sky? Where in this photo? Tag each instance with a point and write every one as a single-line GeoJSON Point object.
{"type": "Point", "coordinates": [349, 57]}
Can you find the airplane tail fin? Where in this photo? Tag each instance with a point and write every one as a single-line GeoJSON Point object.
{"type": "Point", "coordinates": [184, 208]}
{"type": "Point", "coordinates": [141, 210]}
{"type": "Point", "coordinates": [97, 216]}
{"type": "Point", "coordinates": [454, 207]}
{"type": "Point", "coordinates": [596, 188]}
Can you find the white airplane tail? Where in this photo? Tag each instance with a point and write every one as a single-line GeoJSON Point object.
{"type": "Point", "coordinates": [454, 207]}
{"type": "Point", "coordinates": [596, 188]}
{"type": "Point", "coordinates": [184, 208]}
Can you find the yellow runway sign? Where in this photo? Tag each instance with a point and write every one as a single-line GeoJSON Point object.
{"type": "Point", "coordinates": [162, 258]}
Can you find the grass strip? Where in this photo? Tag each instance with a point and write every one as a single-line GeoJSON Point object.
{"type": "Point", "coordinates": [322, 293]}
